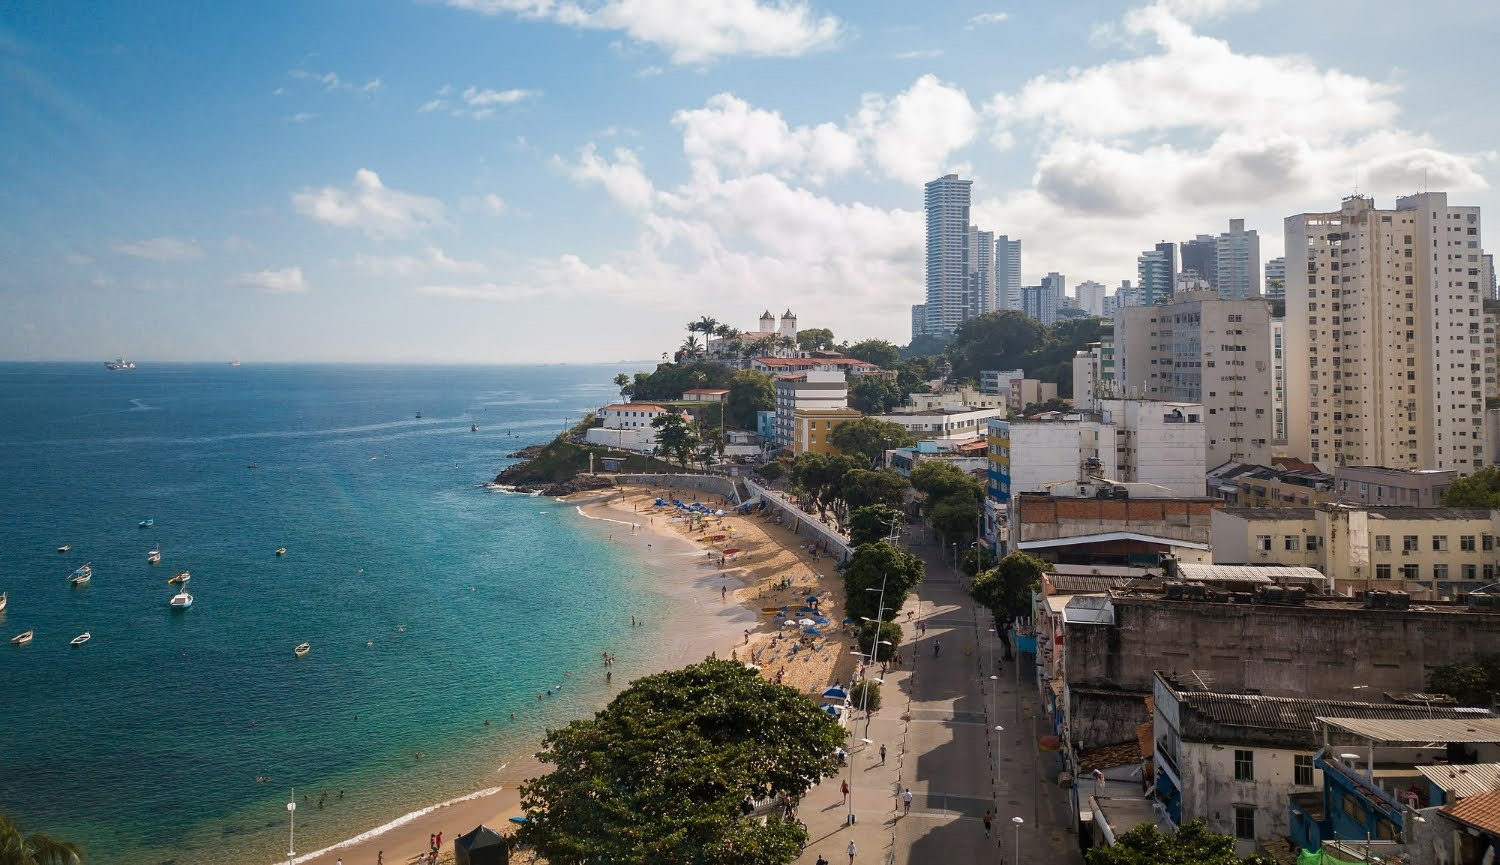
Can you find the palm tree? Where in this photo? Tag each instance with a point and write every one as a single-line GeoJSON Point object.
{"type": "Point", "coordinates": [706, 324]}
{"type": "Point", "coordinates": [35, 849]}
{"type": "Point", "coordinates": [786, 342]}
{"type": "Point", "coordinates": [763, 347]}
{"type": "Point", "coordinates": [725, 330]}
{"type": "Point", "coordinates": [691, 347]}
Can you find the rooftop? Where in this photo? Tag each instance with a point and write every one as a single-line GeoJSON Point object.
{"type": "Point", "coordinates": [1110, 756]}
{"type": "Point", "coordinates": [1256, 711]}
{"type": "Point", "coordinates": [1250, 573]}
{"type": "Point", "coordinates": [1472, 726]}
{"type": "Point", "coordinates": [1402, 513]}
{"type": "Point", "coordinates": [1481, 811]}
{"type": "Point", "coordinates": [1272, 513]}
{"type": "Point", "coordinates": [633, 406]}
{"type": "Point", "coordinates": [1463, 781]}
{"type": "Point", "coordinates": [706, 390]}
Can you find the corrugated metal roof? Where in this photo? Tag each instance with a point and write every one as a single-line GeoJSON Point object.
{"type": "Point", "coordinates": [1250, 573]}
{"type": "Point", "coordinates": [1296, 713]}
{"type": "Point", "coordinates": [1070, 584]}
{"type": "Point", "coordinates": [1482, 811]}
{"type": "Point", "coordinates": [1272, 513]}
{"type": "Point", "coordinates": [1464, 781]}
{"type": "Point", "coordinates": [1400, 727]}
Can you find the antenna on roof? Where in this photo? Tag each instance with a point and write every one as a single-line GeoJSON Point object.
{"type": "Point", "coordinates": [1205, 679]}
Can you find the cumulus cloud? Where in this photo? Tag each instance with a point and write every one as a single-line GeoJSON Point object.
{"type": "Point", "coordinates": [287, 280]}
{"type": "Point", "coordinates": [369, 206]}
{"type": "Point", "coordinates": [986, 18]}
{"type": "Point", "coordinates": [623, 178]}
{"type": "Point", "coordinates": [159, 249]}
{"type": "Point", "coordinates": [913, 134]}
{"type": "Point", "coordinates": [690, 31]}
{"type": "Point", "coordinates": [731, 134]}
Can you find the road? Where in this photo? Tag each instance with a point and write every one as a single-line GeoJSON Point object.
{"type": "Point", "coordinates": [938, 728]}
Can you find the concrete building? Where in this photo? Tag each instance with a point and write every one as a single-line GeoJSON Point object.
{"type": "Point", "coordinates": [626, 426]}
{"type": "Point", "coordinates": [812, 429]}
{"type": "Point", "coordinates": [705, 394]}
{"type": "Point", "coordinates": [1127, 295]}
{"type": "Point", "coordinates": [1198, 347]}
{"type": "Point", "coordinates": [1029, 391]}
{"type": "Point", "coordinates": [997, 381]}
{"type": "Point", "coordinates": [1088, 374]}
{"type": "Point", "coordinates": [1275, 285]}
{"type": "Point", "coordinates": [1383, 321]}
{"type": "Point", "coordinates": [1487, 285]}
{"type": "Point", "coordinates": [814, 390]}
{"type": "Point", "coordinates": [968, 456]}
{"type": "Point", "coordinates": [981, 289]}
{"type": "Point", "coordinates": [1378, 485]}
{"type": "Point", "coordinates": [819, 361]}
{"type": "Point", "coordinates": [1161, 443]}
{"type": "Point", "coordinates": [1110, 531]}
{"type": "Point", "coordinates": [1200, 257]}
{"type": "Point", "coordinates": [1491, 364]}
{"type": "Point", "coordinates": [965, 397]}
{"type": "Point", "coordinates": [1089, 297]}
{"type": "Point", "coordinates": [1426, 552]}
{"type": "Point", "coordinates": [952, 423]}
{"type": "Point", "coordinates": [1238, 261]}
{"type": "Point", "coordinates": [1256, 486]}
{"type": "Point", "coordinates": [1155, 277]}
{"type": "Point", "coordinates": [1111, 306]}
{"type": "Point", "coordinates": [1069, 452]}
{"type": "Point", "coordinates": [918, 319]}
{"type": "Point", "coordinates": [1040, 303]}
{"type": "Point", "coordinates": [1278, 381]}
{"type": "Point", "coordinates": [1008, 272]}
{"type": "Point", "coordinates": [946, 202]}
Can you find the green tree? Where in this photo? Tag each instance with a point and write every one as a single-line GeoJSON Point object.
{"type": "Point", "coordinates": [669, 380]}
{"type": "Point", "coordinates": [34, 849]}
{"type": "Point", "coordinates": [937, 481]}
{"type": "Point", "coordinates": [866, 695]}
{"type": "Point", "coordinates": [690, 348]}
{"type": "Point", "coordinates": [622, 381]}
{"type": "Point", "coordinates": [659, 777]}
{"type": "Point", "coordinates": [926, 344]}
{"type": "Point", "coordinates": [877, 351]}
{"type": "Point", "coordinates": [870, 438]}
{"type": "Point", "coordinates": [873, 523]}
{"type": "Point", "coordinates": [977, 559]}
{"type": "Point", "coordinates": [874, 394]}
{"type": "Point", "coordinates": [815, 339]}
{"type": "Point", "coordinates": [676, 436]}
{"type": "Point", "coordinates": [705, 325]}
{"type": "Point", "coordinates": [775, 469]}
{"type": "Point", "coordinates": [955, 518]}
{"type": "Point", "coordinates": [890, 634]}
{"type": "Point", "coordinates": [1193, 844]}
{"type": "Point", "coordinates": [861, 488]}
{"type": "Point", "coordinates": [1479, 490]}
{"type": "Point", "coordinates": [1006, 588]}
{"type": "Point", "coordinates": [1053, 404]}
{"type": "Point", "coordinates": [869, 567]}
{"type": "Point", "coordinates": [750, 392]}
{"type": "Point", "coordinates": [1471, 683]}
{"type": "Point", "coordinates": [821, 476]}
{"type": "Point", "coordinates": [997, 340]}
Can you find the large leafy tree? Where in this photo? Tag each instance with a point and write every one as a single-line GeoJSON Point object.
{"type": "Point", "coordinates": [622, 381]}
{"type": "Point", "coordinates": [873, 523]}
{"type": "Point", "coordinates": [676, 436]}
{"type": "Point", "coordinates": [1006, 588]}
{"type": "Point", "coordinates": [998, 340]}
{"type": "Point", "coordinates": [1471, 683]}
{"type": "Point", "coordinates": [869, 438]}
{"type": "Point", "coordinates": [877, 351]}
{"type": "Point", "coordinates": [1193, 844]}
{"type": "Point", "coordinates": [660, 776]}
{"type": "Point", "coordinates": [815, 339]}
{"type": "Point", "coordinates": [669, 380]}
{"type": "Point", "coordinates": [821, 476]}
{"type": "Point", "coordinates": [874, 564]}
{"type": "Point", "coordinates": [938, 481]}
{"type": "Point", "coordinates": [750, 392]}
{"type": "Point", "coordinates": [1479, 490]}
{"type": "Point", "coordinates": [861, 488]}
{"type": "Point", "coordinates": [956, 518]}
{"type": "Point", "coordinates": [874, 394]}
{"type": "Point", "coordinates": [34, 849]}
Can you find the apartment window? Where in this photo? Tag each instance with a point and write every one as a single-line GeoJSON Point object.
{"type": "Point", "coordinates": [1244, 822]}
{"type": "Point", "coordinates": [1466, 543]}
{"type": "Point", "coordinates": [1291, 543]}
{"type": "Point", "coordinates": [1409, 572]}
{"type": "Point", "coordinates": [1382, 572]}
{"type": "Point", "coordinates": [1313, 543]}
{"type": "Point", "coordinates": [1409, 543]}
{"type": "Point", "coordinates": [1487, 542]}
{"type": "Point", "coordinates": [1263, 543]}
{"type": "Point", "coordinates": [1440, 543]}
{"type": "Point", "coordinates": [1244, 765]}
{"type": "Point", "coordinates": [1470, 572]}
{"type": "Point", "coordinates": [1302, 770]}
{"type": "Point", "coordinates": [1440, 572]}
{"type": "Point", "coordinates": [1382, 543]}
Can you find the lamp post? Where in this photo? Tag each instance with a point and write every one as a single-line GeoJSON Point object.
{"type": "Point", "coordinates": [291, 838]}
{"type": "Point", "coordinates": [1018, 821]}
{"type": "Point", "coordinates": [864, 697]}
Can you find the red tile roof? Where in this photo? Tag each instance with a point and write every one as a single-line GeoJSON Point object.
{"type": "Point", "coordinates": [1482, 811]}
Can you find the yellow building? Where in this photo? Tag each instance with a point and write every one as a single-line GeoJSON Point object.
{"type": "Point", "coordinates": [812, 428]}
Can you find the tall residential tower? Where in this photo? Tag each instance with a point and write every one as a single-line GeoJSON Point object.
{"type": "Point", "coordinates": [947, 203]}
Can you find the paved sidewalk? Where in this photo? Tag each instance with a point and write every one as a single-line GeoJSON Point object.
{"type": "Point", "coordinates": [938, 727]}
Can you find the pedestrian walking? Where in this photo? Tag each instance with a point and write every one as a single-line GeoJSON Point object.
{"type": "Point", "coordinates": [882, 755]}
{"type": "Point", "coordinates": [937, 648]}
{"type": "Point", "coordinates": [821, 860]}
{"type": "Point", "coordinates": [852, 851]}
{"type": "Point", "coordinates": [987, 819]}
{"type": "Point", "coordinates": [906, 799]}
{"type": "Point", "coordinates": [844, 786]}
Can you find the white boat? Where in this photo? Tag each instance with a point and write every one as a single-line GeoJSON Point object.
{"type": "Point", "coordinates": [179, 578]}
{"type": "Point", "coordinates": [4, 599]}
{"type": "Point", "coordinates": [21, 639]}
{"type": "Point", "coordinates": [65, 548]}
{"type": "Point", "coordinates": [154, 557]}
{"type": "Point", "coordinates": [81, 639]}
{"type": "Point", "coordinates": [119, 363]}
{"type": "Point", "coordinates": [81, 576]}
{"type": "Point", "coordinates": [234, 363]}
{"type": "Point", "coordinates": [181, 601]}
{"type": "Point", "coordinates": [302, 650]}
{"type": "Point", "coordinates": [281, 551]}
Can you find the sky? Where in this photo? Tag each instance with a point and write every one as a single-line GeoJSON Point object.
{"type": "Point", "coordinates": [513, 181]}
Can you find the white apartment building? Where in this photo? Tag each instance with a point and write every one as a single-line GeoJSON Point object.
{"type": "Point", "coordinates": [1278, 381]}
{"type": "Point", "coordinates": [806, 391]}
{"type": "Point", "coordinates": [951, 423]}
{"type": "Point", "coordinates": [1384, 335]}
{"type": "Point", "coordinates": [1238, 262]}
{"type": "Point", "coordinates": [1202, 348]}
{"type": "Point", "coordinates": [1007, 272]}
{"type": "Point", "coordinates": [1089, 297]}
{"type": "Point", "coordinates": [1276, 279]}
{"type": "Point", "coordinates": [627, 426]}
{"type": "Point", "coordinates": [946, 201]}
{"type": "Point", "coordinates": [1163, 443]}
{"type": "Point", "coordinates": [981, 289]}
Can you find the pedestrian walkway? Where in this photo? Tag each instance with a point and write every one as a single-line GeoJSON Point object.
{"type": "Point", "coordinates": [937, 723]}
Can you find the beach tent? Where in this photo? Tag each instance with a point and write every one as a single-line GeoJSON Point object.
{"type": "Point", "coordinates": [483, 846]}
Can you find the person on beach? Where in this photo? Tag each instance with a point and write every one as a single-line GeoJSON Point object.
{"type": "Point", "coordinates": [821, 860]}
{"type": "Point", "coordinates": [937, 648]}
{"type": "Point", "coordinates": [844, 787]}
{"type": "Point", "coordinates": [852, 851]}
{"type": "Point", "coordinates": [882, 754]}
{"type": "Point", "coordinates": [987, 822]}
{"type": "Point", "coordinates": [608, 678]}
{"type": "Point", "coordinates": [906, 799]}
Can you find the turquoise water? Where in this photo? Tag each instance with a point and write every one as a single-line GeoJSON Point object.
{"type": "Point", "coordinates": [145, 744]}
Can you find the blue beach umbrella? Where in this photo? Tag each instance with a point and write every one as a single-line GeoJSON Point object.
{"type": "Point", "coordinates": [781, 615]}
{"type": "Point", "coordinates": [821, 621]}
{"type": "Point", "coordinates": [832, 710]}
{"type": "Point", "coordinates": [812, 599]}
{"type": "Point", "coordinates": [519, 820]}
{"type": "Point", "coordinates": [848, 621]}
{"type": "Point", "coordinates": [835, 693]}
{"type": "Point", "coordinates": [814, 631]}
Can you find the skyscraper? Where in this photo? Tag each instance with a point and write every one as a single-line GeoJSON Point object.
{"type": "Point", "coordinates": [1276, 279]}
{"type": "Point", "coordinates": [947, 203]}
{"type": "Point", "coordinates": [1090, 296]}
{"type": "Point", "coordinates": [1384, 351]}
{"type": "Point", "coordinates": [1238, 260]}
{"type": "Point", "coordinates": [1039, 302]}
{"type": "Point", "coordinates": [1154, 275]}
{"type": "Point", "coordinates": [1201, 257]}
{"type": "Point", "coordinates": [1007, 273]}
{"type": "Point", "coordinates": [981, 272]}
{"type": "Point", "coordinates": [1169, 253]}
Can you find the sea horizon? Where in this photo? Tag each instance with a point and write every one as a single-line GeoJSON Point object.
{"type": "Point", "coordinates": [434, 607]}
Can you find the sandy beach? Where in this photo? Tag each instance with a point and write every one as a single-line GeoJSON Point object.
{"type": "Point", "coordinates": [715, 608]}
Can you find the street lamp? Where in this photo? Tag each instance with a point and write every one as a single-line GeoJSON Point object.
{"type": "Point", "coordinates": [291, 838]}
{"type": "Point", "coordinates": [864, 697]}
{"type": "Point", "coordinates": [1018, 821]}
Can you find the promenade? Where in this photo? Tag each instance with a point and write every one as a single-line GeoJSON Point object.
{"type": "Point", "coordinates": [938, 725]}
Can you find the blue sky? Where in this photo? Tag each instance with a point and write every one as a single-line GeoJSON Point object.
{"type": "Point", "coordinates": [572, 180]}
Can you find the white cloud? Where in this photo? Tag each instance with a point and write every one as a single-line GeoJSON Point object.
{"type": "Point", "coordinates": [330, 82]}
{"type": "Point", "coordinates": [914, 134]}
{"type": "Point", "coordinates": [432, 105]}
{"type": "Point", "coordinates": [623, 179]}
{"type": "Point", "coordinates": [301, 117]}
{"type": "Point", "coordinates": [1208, 10]}
{"type": "Point", "coordinates": [731, 134]}
{"type": "Point", "coordinates": [487, 98]}
{"type": "Point", "coordinates": [78, 259]}
{"type": "Point", "coordinates": [985, 18]}
{"type": "Point", "coordinates": [370, 206]}
{"type": "Point", "coordinates": [287, 280]}
{"type": "Point", "coordinates": [431, 260]}
{"type": "Point", "coordinates": [493, 203]}
{"type": "Point", "coordinates": [690, 31]}
{"type": "Point", "coordinates": [649, 72]}
{"type": "Point", "coordinates": [159, 249]}
{"type": "Point", "coordinates": [920, 54]}
{"type": "Point", "coordinates": [476, 102]}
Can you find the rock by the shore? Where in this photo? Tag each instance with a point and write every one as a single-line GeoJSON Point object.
{"type": "Point", "coordinates": [530, 452]}
{"type": "Point", "coordinates": [579, 484]}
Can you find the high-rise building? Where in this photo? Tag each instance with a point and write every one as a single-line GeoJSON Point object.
{"type": "Point", "coordinates": [981, 294]}
{"type": "Point", "coordinates": [1384, 349]}
{"type": "Point", "coordinates": [1127, 295]}
{"type": "Point", "coordinates": [1169, 253]}
{"type": "Point", "coordinates": [1039, 302]}
{"type": "Point", "coordinates": [1198, 347]}
{"type": "Point", "coordinates": [1090, 296]}
{"type": "Point", "coordinates": [1278, 381]}
{"type": "Point", "coordinates": [1007, 273]}
{"type": "Point", "coordinates": [1057, 284]}
{"type": "Point", "coordinates": [1238, 261]}
{"type": "Point", "coordinates": [1111, 305]}
{"type": "Point", "coordinates": [1201, 256]}
{"type": "Point", "coordinates": [1154, 276]}
{"type": "Point", "coordinates": [1276, 279]}
{"type": "Point", "coordinates": [947, 204]}
{"type": "Point", "coordinates": [918, 319]}
{"type": "Point", "coordinates": [1487, 286]}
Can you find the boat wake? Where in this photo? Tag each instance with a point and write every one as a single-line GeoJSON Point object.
{"type": "Point", "coordinates": [399, 821]}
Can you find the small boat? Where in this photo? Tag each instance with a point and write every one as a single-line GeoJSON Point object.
{"type": "Point", "coordinates": [181, 601]}
{"type": "Point", "coordinates": [419, 415]}
{"type": "Point", "coordinates": [81, 576]}
{"type": "Point", "coordinates": [473, 427]}
{"type": "Point", "coordinates": [4, 599]}
{"type": "Point", "coordinates": [119, 364]}
{"type": "Point", "coordinates": [179, 578]}
{"type": "Point", "coordinates": [81, 639]}
{"type": "Point", "coordinates": [147, 523]}
{"type": "Point", "coordinates": [302, 650]}
{"type": "Point", "coordinates": [281, 551]}
{"type": "Point", "coordinates": [22, 638]}
{"type": "Point", "coordinates": [154, 557]}
{"type": "Point", "coordinates": [234, 363]}
{"type": "Point", "coordinates": [65, 548]}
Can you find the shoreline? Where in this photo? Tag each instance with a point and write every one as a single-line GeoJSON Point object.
{"type": "Point", "coordinates": [698, 624]}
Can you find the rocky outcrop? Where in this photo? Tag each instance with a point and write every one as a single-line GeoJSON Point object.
{"type": "Point", "coordinates": [579, 484]}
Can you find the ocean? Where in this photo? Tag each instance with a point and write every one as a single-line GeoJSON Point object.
{"type": "Point", "coordinates": [431, 604]}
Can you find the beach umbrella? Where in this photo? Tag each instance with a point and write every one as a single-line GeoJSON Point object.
{"type": "Point", "coordinates": [731, 551]}
{"type": "Point", "coordinates": [482, 846]}
{"type": "Point", "coordinates": [812, 599]}
{"type": "Point", "coordinates": [521, 820]}
{"type": "Point", "coordinates": [835, 711]}
{"type": "Point", "coordinates": [807, 623]}
{"type": "Point", "coordinates": [781, 615]}
{"type": "Point", "coordinates": [820, 621]}
{"type": "Point", "coordinates": [814, 631]}
{"type": "Point", "coordinates": [719, 513]}
{"type": "Point", "coordinates": [835, 693]}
